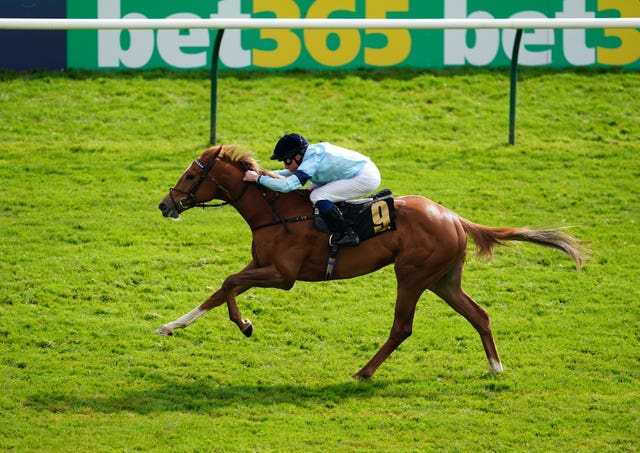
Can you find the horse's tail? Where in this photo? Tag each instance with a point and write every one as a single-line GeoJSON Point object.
{"type": "Point", "coordinates": [487, 237]}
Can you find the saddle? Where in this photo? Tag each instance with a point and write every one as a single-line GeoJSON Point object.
{"type": "Point", "coordinates": [367, 216]}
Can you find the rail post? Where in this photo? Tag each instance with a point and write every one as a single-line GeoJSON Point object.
{"type": "Point", "coordinates": [214, 85]}
{"type": "Point", "coordinates": [514, 84]}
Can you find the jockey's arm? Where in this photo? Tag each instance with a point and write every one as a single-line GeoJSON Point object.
{"type": "Point", "coordinates": [292, 182]}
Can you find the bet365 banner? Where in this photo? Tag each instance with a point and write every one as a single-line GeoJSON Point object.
{"type": "Point", "coordinates": [348, 49]}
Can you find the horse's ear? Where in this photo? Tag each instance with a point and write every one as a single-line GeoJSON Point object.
{"type": "Point", "coordinates": [216, 151]}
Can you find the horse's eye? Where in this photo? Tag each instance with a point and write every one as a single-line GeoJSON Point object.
{"type": "Point", "coordinates": [190, 177]}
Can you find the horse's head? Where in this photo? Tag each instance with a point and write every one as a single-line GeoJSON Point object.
{"type": "Point", "coordinates": [208, 177]}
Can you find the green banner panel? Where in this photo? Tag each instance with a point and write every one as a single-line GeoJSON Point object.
{"type": "Point", "coordinates": [350, 49]}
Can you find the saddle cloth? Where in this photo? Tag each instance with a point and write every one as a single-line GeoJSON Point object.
{"type": "Point", "coordinates": [367, 216]}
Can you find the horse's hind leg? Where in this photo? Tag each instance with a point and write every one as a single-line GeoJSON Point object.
{"type": "Point", "coordinates": [402, 327]}
{"type": "Point", "coordinates": [450, 290]}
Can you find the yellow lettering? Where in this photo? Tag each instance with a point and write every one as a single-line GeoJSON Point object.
{"type": "Point", "coordinates": [380, 216]}
{"type": "Point", "coordinates": [629, 50]}
{"type": "Point", "coordinates": [317, 40]}
{"type": "Point", "coordinates": [398, 41]}
{"type": "Point", "coordinates": [288, 44]}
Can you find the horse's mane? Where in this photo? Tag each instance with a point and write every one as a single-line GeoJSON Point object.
{"type": "Point", "coordinates": [238, 154]}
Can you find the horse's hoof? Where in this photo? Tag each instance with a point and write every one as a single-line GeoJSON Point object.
{"type": "Point", "coordinates": [495, 367]}
{"type": "Point", "coordinates": [248, 331]}
{"type": "Point", "coordinates": [165, 331]}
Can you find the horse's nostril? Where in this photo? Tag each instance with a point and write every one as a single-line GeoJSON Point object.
{"type": "Point", "coordinates": [162, 206]}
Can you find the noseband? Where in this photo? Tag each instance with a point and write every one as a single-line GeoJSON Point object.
{"type": "Point", "coordinates": [190, 202]}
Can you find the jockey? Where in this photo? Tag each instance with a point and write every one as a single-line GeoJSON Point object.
{"type": "Point", "coordinates": [336, 174]}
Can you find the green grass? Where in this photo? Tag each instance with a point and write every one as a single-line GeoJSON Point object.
{"type": "Point", "coordinates": [90, 268]}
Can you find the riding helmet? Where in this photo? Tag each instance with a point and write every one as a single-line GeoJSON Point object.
{"type": "Point", "coordinates": [288, 146]}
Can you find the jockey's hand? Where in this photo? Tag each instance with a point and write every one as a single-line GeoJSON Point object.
{"type": "Point", "coordinates": [250, 176]}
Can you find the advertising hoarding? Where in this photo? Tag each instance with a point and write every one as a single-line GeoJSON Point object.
{"type": "Point", "coordinates": [349, 49]}
{"type": "Point", "coordinates": [270, 49]}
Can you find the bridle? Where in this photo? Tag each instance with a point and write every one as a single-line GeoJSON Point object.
{"type": "Point", "coordinates": [190, 202]}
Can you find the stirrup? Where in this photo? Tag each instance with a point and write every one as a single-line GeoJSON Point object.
{"type": "Point", "coordinates": [347, 238]}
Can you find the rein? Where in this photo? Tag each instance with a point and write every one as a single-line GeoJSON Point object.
{"type": "Point", "coordinates": [284, 222]}
{"type": "Point", "coordinates": [281, 220]}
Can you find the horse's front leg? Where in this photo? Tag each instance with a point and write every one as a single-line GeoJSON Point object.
{"type": "Point", "coordinates": [216, 299]}
{"type": "Point", "coordinates": [233, 285]}
{"type": "Point", "coordinates": [266, 277]}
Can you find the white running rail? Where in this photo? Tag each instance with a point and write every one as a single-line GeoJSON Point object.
{"type": "Point", "coordinates": [415, 24]}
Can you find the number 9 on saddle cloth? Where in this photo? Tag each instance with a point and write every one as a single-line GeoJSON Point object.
{"type": "Point", "coordinates": [367, 216]}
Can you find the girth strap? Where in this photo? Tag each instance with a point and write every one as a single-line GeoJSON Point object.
{"type": "Point", "coordinates": [331, 262]}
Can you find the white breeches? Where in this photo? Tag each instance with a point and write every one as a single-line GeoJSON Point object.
{"type": "Point", "coordinates": [361, 185]}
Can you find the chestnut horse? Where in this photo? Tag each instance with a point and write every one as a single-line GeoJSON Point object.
{"type": "Point", "coordinates": [428, 248]}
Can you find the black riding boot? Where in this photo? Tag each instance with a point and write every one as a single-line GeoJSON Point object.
{"type": "Point", "coordinates": [341, 233]}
